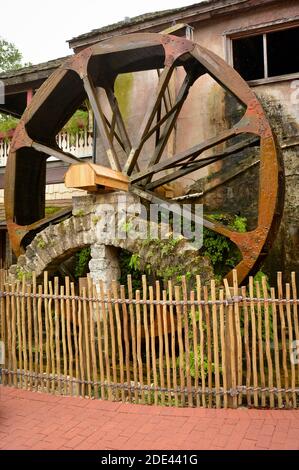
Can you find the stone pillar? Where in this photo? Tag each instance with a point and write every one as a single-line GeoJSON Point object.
{"type": "Point", "coordinates": [104, 265]}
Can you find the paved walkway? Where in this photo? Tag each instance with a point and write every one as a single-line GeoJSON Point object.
{"type": "Point", "coordinates": [30, 420]}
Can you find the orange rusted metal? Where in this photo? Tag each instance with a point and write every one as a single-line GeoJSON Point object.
{"type": "Point", "coordinates": [98, 66]}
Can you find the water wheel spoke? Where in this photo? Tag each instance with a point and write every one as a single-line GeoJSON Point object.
{"type": "Point", "coordinates": [149, 117]}
{"type": "Point", "coordinates": [119, 120]}
{"type": "Point", "coordinates": [55, 152]}
{"type": "Point", "coordinates": [190, 166]}
{"type": "Point", "coordinates": [171, 121]}
{"type": "Point", "coordinates": [182, 157]}
{"type": "Point", "coordinates": [101, 123]}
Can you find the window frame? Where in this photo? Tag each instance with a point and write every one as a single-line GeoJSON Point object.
{"type": "Point", "coordinates": [260, 30]}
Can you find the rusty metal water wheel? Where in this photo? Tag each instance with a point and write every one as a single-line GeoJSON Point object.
{"type": "Point", "coordinates": [98, 66]}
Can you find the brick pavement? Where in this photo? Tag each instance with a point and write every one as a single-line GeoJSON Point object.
{"type": "Point", "coordinates": [30, 420]}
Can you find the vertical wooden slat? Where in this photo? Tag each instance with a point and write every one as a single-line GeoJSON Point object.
{"type": "Point", "coordinates": [99, 342]}
{"type": "Point", "coordinates": [246, 344]}
{"type": "Point", "coordinates": [8, 343]}
{"type": "Point", "coordinates": [268, 345]}
{"type": "Point", "coordinates": [24, 335]}
{"type": "Point", "coordinates": [195, 347]}
{"type": "Point", "coordinates": [29, 326]}
{"type": "Point", "coordinates": [232, 346]}
{"type": "Point", "coordinates": [209, 344]}
{"type": "Point", "coordinates": [161, 345]}
{"type": "Point", "coordinates": [260, 343]}
{"type": "Point", "coordinates": [69, 333]}
{"type": "Point", "coordinates": [113, 342]}
{"type": "Point", "coordinates": [57, 332]}
{"type": "Point", "coordinates": [106, 339]}
{"type": "Point", "coordinates": [283, 337]}
{"type": "Point", "coordinates": [223, 347]}
{"type": "Point", "coordinates": [51, 332]}
{"type": "Point", "coordinates": [177, 293]}
{"type": "Point", "coordinates": [147, 338]}
{"type": "Point", "coordinates": [238, 335]}
{"type": "Point", "coordinates": [276, 347]}
{"type": "Point", "coordinates": [46, 323]}
{"type": "Point", "coordinates": [254, 350]}
{"type": "Point", "coordinates": [133, 337]}
{"type": "Point", "coordinates": [290, 337]}
{"type": "Point", "coordinates": [3, 324]}
{"type": "Point", "coordinates": [173, 344]}
{"type": "Point", "coordinates": [126, 338]}
{"type": "Point", "coordinates": [63, 338]}
{"type": "Point", "coordinates": [202, 342]}
{"type": "Point", "coordinates": [86, 341]}
{"type": "Point", "coordinates": [153, 345]}
{"type": "Point", "coordinates": [14, 335]}
{"type": "Point", "coordinates": [216, 344]}
{"type": "Point", "coordinates": [295, 313]}
{"type": "Point", "coordinates": [186, 338]}
{"type": "Point", "coordinates": [81, 347]}
{"type": "Point", "coordinates": [35, 327]}
{"type": "Point", "coordinates": [75, 316]}
{"type": "Point", "coordinates": [139, 354]}
{"type": "Point", "coordinates": [92, 337]}
{"type": "Point", "coordinates": [166, 344]}
{"type": "Point", "coordinates": [119, 338]}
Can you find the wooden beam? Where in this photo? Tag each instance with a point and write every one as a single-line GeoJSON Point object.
{"type": "Point", "coordinates": [193, 152]}
{"type": "Point", "coordinates": [193, 166]}
{"type": "Point", "coordinates": [52, 152]}
{"type": "Point", "coordinates": [102, 124]}
{"type": "Point", "coordinates": [155, 100]}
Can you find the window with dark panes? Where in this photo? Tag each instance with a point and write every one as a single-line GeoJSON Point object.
{"type": "Point", "coordinates": [267, 55]}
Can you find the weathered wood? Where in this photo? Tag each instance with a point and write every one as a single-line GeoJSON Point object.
{"type": "Point", "coordinates": [177, 292]}
{"type": "Point", "coordinates": [268, 345]}
{"type": "Point", "coordinates": [253, 342]}
{"type": "Point", "coordinates": [126, 338]}
{"type": "Point", "coordinates": [166, 344]}
{"type": "Point", "coordinates": [161, 345]}
{"type": "Point", "coordinates": [276, 347]}
{"type": "Point", "coordinates": [260, 343]}
{"type": "Point", "coordinates": [101, 123]}
{"type": "Point", "coordinates": [147, 336]}
{"type": "Point", "coordinates": [112, 341]}
{"type": "Point", "coordinates": [138, 339]}
{"type": "Point", "coordinates": [119, 338]}
{"type": "Point", "coordinates": [246, 344]}
{"type": "Point", "coordinates": [283, 336]}
{"type": "Point", "coordinates": [215, 344]}
{"type": "Point", "coordinates": [153, 346]}
{"type": "Point", "coordinates": [202, 342]}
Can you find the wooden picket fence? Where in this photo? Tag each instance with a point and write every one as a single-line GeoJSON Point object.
{"type": "Point", "coordinates": [211, 346]}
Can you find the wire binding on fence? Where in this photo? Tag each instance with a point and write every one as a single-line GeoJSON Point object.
{"type": "Point", "coordinates": [225, 302]}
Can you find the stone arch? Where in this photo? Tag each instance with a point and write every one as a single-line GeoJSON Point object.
{"type": "Point", "coordinates": [58, 242]}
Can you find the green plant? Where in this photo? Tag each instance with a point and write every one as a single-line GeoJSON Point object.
{"type": "Point", "coordinates": [134, 262]}
{"type": "Point", "coordinates": [79, 213]}
{"type": "Point", "coordinates": [82, 259]}
{"type": "Point", "coordinates": [78, 121]}
{"type": "Point", "coordinates": [95, 219]}
{"type": "Point", "coordinates": [192, 363]}
{"type": "Point", "coordinates": [22, 274]}
{"type": "Point", "coordinates": [7, 123]}
{"type": "Point", "coordinates": [224, 254]}
{"type": "Point", "coordinates": [50, 210]}
{"type": "Point", "coordinates": [41, 243]}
